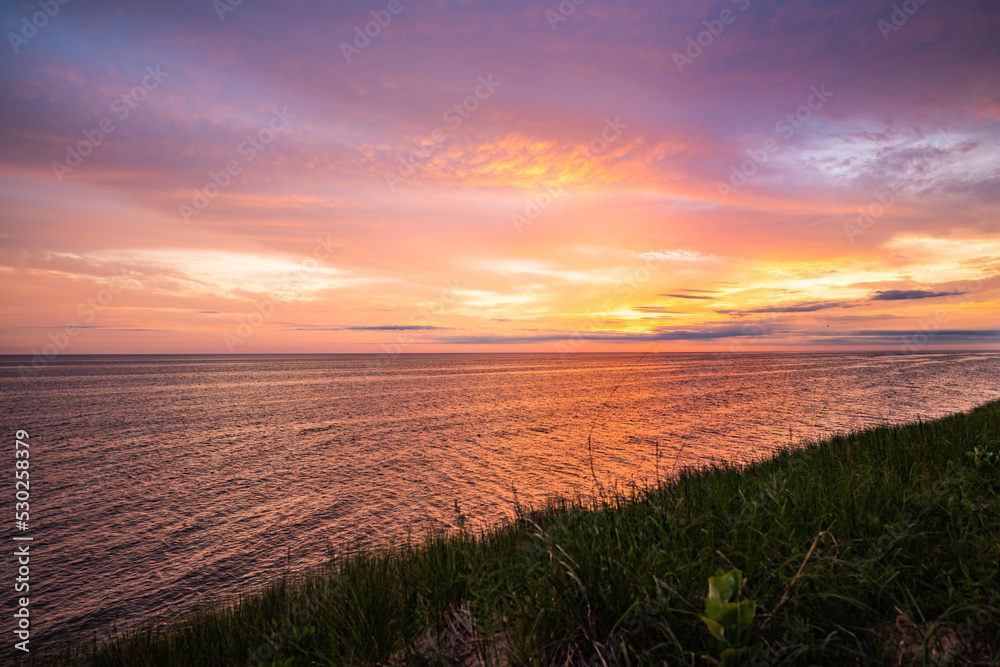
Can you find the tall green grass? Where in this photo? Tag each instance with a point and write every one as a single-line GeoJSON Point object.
{"type": "Point", "coordinates": [879, 547]}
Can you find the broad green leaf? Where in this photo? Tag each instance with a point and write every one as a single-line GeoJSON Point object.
{"type": "Point", "coordinates": [733, 657]}
{"type": "Point", "coordinates": [724, 585]}
{"type": "Point", "coordinates": [713, 607]}
{"type": "Point", "coordinates": [717, 630]}
{"type": "Point", "coordinates": [729, 615]}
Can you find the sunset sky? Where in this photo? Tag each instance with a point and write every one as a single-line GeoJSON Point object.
{"type": "Point", "coordinates": [591, 175]}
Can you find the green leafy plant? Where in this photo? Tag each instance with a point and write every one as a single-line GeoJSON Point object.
{"type": "Point", "coordinates": [297, 642]}
{"type": "Point", "coordinates": [983, 458]}
{"type": "Point", "coordinates": [279, 662]}
{"type": "Point", "coordinates": [729, 619]}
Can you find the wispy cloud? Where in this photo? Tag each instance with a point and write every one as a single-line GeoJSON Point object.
{"type": "Point", "coordinates": [909, 295]}
{"type": "Point", "coordinates": [387, 327]}
{"type": "Point", "coordinates": [656, 309]}
{"type": "Point", "coordinates": [806, 307]}
{"type": "Point", "coordinates": [687, 296]}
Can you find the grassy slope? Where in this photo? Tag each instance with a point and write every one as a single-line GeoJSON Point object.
{"type": "Point", "coordinates": [910, 558]}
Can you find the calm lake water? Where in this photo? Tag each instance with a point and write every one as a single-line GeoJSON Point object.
{"type": "Point", "coordinates": [158, 482]}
